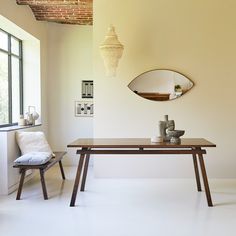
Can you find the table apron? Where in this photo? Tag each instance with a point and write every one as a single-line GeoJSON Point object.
{"type": "Point", "coordinates": [141, 151]}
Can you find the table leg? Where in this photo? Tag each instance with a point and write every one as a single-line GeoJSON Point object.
{"type": "Point", "coordinates": [197, 173]}
{"type": "Point", "coordinates": [85, 172]}
{"type": "Point", "coordinates": [77, 179]}
{"type": "Point", "coordinates": [205, 181]}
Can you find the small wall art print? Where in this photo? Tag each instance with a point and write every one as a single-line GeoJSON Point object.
{"type": "Point", "coordinates": [87, 88]}
{"type": "Point", "coordinates": [84, 108]}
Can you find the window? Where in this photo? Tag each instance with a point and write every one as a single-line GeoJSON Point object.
{"type": "Point", "coordinates": [11, 79]}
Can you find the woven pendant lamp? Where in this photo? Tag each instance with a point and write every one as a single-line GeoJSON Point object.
{"type": "Point", "coordinates": [111, 50]}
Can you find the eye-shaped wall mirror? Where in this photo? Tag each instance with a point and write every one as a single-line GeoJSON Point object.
{"type": "Point", "coordinates": [161, 85]}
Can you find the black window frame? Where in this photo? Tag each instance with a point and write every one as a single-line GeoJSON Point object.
{"type": "Point", "coordinates": [20, 57]}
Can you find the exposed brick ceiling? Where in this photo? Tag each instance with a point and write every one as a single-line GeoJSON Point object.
{"type": "Point", "coordinates": [78, 12]}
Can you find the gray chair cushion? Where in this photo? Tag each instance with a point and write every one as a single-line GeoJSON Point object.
{"type": "Point", "coordinates": [33, 158]}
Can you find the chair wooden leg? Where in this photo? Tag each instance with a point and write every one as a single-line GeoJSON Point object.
{"type": "Point", "coordinates": [77, 179]}
{"type": "Point", "coordinates": [20, 184]}
{"type": "Point", "coordinates": [85, 172]}
{"type": "Point", "coordinates": [62, 170]}
{"type": "Point", "coordinates": [197, 173]}
{"type": "Point", "coordinates": [205, 181]}
{"type": "Point", "coordinates": [45, 195]}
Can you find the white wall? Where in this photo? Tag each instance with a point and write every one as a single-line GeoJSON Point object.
{"type": "Point", "coordinates": [32, 78]}
{"type": "Point", "coordinates": [37, 76]}
{"type": "Point", "coordinates": [70, 62]}
{"type": "Point", "coordinates": [196, 38]}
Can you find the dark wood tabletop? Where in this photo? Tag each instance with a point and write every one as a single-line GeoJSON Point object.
{"type": "Point", "coordinates": [138, 143]}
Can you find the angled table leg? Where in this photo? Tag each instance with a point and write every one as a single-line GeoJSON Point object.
{"type": "Point", "coordinates": [45, 195]}
{"type": "Point", "coordinates": [85, 172]}
{"type": "Point", "coordinates": [77, 179]}
{"type": "Point", "coordinates": [21, 184]}
{"type": "Point", "coordinates": [205, 180]}
{"type": "Point", "coordinates": [197, 173]}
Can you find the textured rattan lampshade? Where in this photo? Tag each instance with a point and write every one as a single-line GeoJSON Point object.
{"type": "Point", "coordinates": [111, 51]}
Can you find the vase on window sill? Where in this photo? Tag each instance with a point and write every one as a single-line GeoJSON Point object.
{"type": "Point", "coordinates": [29, 119]}
{"type": "Point", "coordinates": [21, 121]}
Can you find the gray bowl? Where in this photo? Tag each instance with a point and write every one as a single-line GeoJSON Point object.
{"type": "Point", "coordinates": [174, 135]}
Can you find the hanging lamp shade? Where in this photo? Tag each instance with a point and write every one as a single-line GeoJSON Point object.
{"type": "Point", "coordinates": [111, 50]}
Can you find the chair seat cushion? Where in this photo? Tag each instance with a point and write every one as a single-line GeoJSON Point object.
{"type": "Point", "coordinates": [33, 158]}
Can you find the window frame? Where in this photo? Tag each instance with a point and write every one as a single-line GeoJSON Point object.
{"type": "Point", "coordinates": [10, 55]}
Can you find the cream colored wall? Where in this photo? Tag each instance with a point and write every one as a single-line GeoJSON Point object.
{"type": "Point", "coordinates": [196, 38]}
{"type": "Point", "coordinates": [22, 16]}
{"type": "Point", "coordinates": [70, 62]}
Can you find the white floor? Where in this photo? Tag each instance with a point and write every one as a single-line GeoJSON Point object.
{"type": "Point", "coordinates": [120, 207]}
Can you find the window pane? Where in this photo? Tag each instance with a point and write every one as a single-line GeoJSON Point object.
{"type": "Point", "coordinates": [15, 90]}
{"type": "Point", "coordinates": [3, 40]}
{"type": "Point", "coordinates": [4, 118]}
{"type": "Point", "coordinates": [15, 46]}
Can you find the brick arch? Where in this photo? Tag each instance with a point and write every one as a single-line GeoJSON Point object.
{"type": "Point", "coordinates": [78, 12]}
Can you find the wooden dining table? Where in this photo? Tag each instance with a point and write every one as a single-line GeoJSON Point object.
{"type": "Point", "coordinates": [193, 147]}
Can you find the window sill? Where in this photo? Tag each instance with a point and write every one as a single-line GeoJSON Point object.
{"type": "Point", "coordinates": [17, 127]}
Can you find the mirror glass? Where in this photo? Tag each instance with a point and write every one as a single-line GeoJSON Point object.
{"type": "Point", "coordinates": [161, 85]}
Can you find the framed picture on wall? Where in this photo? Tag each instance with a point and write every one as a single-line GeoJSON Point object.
{"type": "Point", "coordinates": [84, 108]}
{"type": "Point", "coordinates": [87, 88]}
